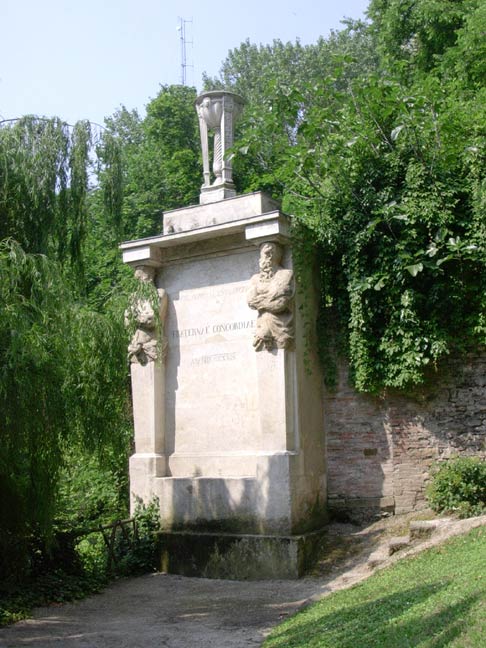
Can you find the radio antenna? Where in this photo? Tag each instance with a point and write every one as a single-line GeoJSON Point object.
{"type": "Point", "coordinates": [181, 28]}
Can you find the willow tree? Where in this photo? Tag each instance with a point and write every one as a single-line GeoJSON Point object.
{"type": "Point", "coordinates": [159, 158]}
{"type": "Point", "coordinates": [62, 366]}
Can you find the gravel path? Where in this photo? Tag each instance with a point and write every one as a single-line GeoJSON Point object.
{"type": "Point", "coordinates": [160, 610]}
{"type": "Point", "coordinates": [165, 610]}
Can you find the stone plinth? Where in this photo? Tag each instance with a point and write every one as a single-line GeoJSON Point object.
{"type": "Point", "coordinates": [222, 212]}
{"type": "Point", "coordinates": [238, 556]}
{"type": "Point", "coordinates": [228, 431]}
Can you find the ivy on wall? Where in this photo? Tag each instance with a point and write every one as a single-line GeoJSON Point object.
{"type": "Point", "coordinates": [385, 166]}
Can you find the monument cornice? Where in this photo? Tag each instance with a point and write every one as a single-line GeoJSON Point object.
{"type": "Point", "coordinates": [272, 226]}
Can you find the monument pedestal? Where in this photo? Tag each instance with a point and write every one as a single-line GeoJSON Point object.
{"type": "Point", "coordinates": [238, 556]}
{"type": "Point", "coordinates": [228, 425]}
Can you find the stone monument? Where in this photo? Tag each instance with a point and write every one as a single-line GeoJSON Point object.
{"type": "Point", "coordinates": [227, 399]}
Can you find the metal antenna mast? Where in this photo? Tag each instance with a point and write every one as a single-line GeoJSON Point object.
{"type": "Point", "coordinates": [182, 36]}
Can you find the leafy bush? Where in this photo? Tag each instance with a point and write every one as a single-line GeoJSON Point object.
{"type": "Point", "coordinates": [88, 571]}
{"type": "Point", "coordinates": [459, 486]}
{"type": "Point", "coordinates": [57, 586]}
{"type": "Point", "coordinates": [140, 556]}
{"type": "Point", "coordinates": [133, 553]}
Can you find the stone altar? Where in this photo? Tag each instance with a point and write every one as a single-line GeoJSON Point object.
{"type": "Point", "coordinates": [228, 420]}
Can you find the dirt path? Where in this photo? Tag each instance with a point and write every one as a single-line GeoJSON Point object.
{"type": "Point", "coordinates": [160, 610]}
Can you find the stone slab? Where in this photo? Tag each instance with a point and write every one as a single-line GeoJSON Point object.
{"type": "Point", "coordinates": [397, 544]}
{"type": "Point", "coordinates": [224, 211]}
{"type": "Point", "coordinates": [240, 557]}
{"type": "Point", "coordinates": [216, 193]}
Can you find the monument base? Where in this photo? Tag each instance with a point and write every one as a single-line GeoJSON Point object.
{"type": "Point", "coordinates": [216, 193]}
{"type": "Point", "coordinates": [238, 557]}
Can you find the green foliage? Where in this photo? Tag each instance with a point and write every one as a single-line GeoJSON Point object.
{"type": "Point", "coordinates": [278, 83]}
{"type": "Point", "coordinates": [93, 490]}
{"type": "Point", "coordinates": [55, 584]}
{"type": "Point", "coordinates": [431, 600]}
{"type": "Point", "coordinates": [55, 587]}
{"type": "Point", "coordinates": [159, 156]}
{"type": "Point", "coordinates": [32, 326]}
{"type": "Point", "coordinates": [133, 553]}
{"type": "Point", "coordinates": [459, 486]}
{"type": "Point", "coordinates": [385, 166]}
{"type": "Point", "coordinates": [255, 71]}
{"type": "Point", "coordinates": [159, 170]}
{"type": "Point", "coordinates": [418, 33]}
{"type": "Point", "coordinates": [63, 384]}
{"type": "Point", "coordinates": [140, 556]}
{"type": "Point", "coordinates": [44, 180]}
{"type": "Point", "coordinates": [64, 380]}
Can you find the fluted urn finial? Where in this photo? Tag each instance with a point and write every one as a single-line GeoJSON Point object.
{"type": "Point", "coordinates": [217, 111]}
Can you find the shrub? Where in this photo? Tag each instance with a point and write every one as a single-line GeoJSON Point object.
{"type": "Point", "coordinates": [140, 557]}
{"type": "Point", "coordinates": [90, 569]}
{"type": "Point", "coordinates": [459, 486]}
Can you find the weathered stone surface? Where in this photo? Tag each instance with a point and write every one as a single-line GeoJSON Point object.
{"type": "Point", "coordinates": [225, 211]}
{"type": "Point", "coordinates": [147, 343]}
{"type": "Point", "coordinates": [272, 293]}
{"type": "Point", "coordinates": [228, 439]}
{"type": "Point", "coordinates": [397, 544]}
{"type": "Point", "coordinates": [421, 529]}
{"type": "Point", "coordinates": [240, 557]}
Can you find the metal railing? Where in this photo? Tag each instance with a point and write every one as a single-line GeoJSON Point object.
{"type": "Point", "coordinates": [127, 528]}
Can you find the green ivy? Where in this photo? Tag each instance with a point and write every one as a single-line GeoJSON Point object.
{"type": "Point", "coordinates": [386, 169]}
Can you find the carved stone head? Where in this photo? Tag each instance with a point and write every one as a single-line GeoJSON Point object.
{"type": "Point", "coordinates": [145, 315]}
{"type": "Point", "coordinates": [270, 256]}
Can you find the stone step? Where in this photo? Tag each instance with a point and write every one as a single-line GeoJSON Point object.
{"type": "Point", "coordinates": [397, 544]}
{"type": "Point", "coordinates": [377, 558]}
{"type": "Point", "coordinates": [423, 529]}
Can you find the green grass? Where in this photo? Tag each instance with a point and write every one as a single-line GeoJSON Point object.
{"type": "Point", "coordinates": [433, 600]}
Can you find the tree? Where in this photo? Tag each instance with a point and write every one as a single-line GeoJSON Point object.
{"type": "Point", "coordinates": [159, 158]}
{"type": "Point", "coordinates": [63, 366]}
{"type": "Point", "coordinates": [384, 165]}
{"type": "Point", "coordinates": [278, 83]}
{"type": "Point", "coordinates": [418, 32]}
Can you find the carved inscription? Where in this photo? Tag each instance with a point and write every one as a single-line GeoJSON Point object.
{"type": "Point", "coordinates": [211, 329]}
{"type": "Point", "coordinates": [211, 293]}
{"type": "Point", "coordinates": [215, 357]}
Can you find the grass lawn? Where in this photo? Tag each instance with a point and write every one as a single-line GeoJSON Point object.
{"type": "Point", "coordinates": [433, 600]}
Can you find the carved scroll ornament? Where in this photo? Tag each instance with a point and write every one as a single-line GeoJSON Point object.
{"type": "Point", "coordinates": [272, 293]}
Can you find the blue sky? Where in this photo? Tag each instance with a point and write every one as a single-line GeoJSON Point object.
{"type": "Point", "coordinates": [82, 59]}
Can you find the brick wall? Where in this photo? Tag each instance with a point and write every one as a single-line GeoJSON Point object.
{"type": "Point", "coordinates": [380, 449]}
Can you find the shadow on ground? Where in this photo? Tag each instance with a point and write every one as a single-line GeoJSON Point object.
{"type": "Point", "coordinates": [383, 627]}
